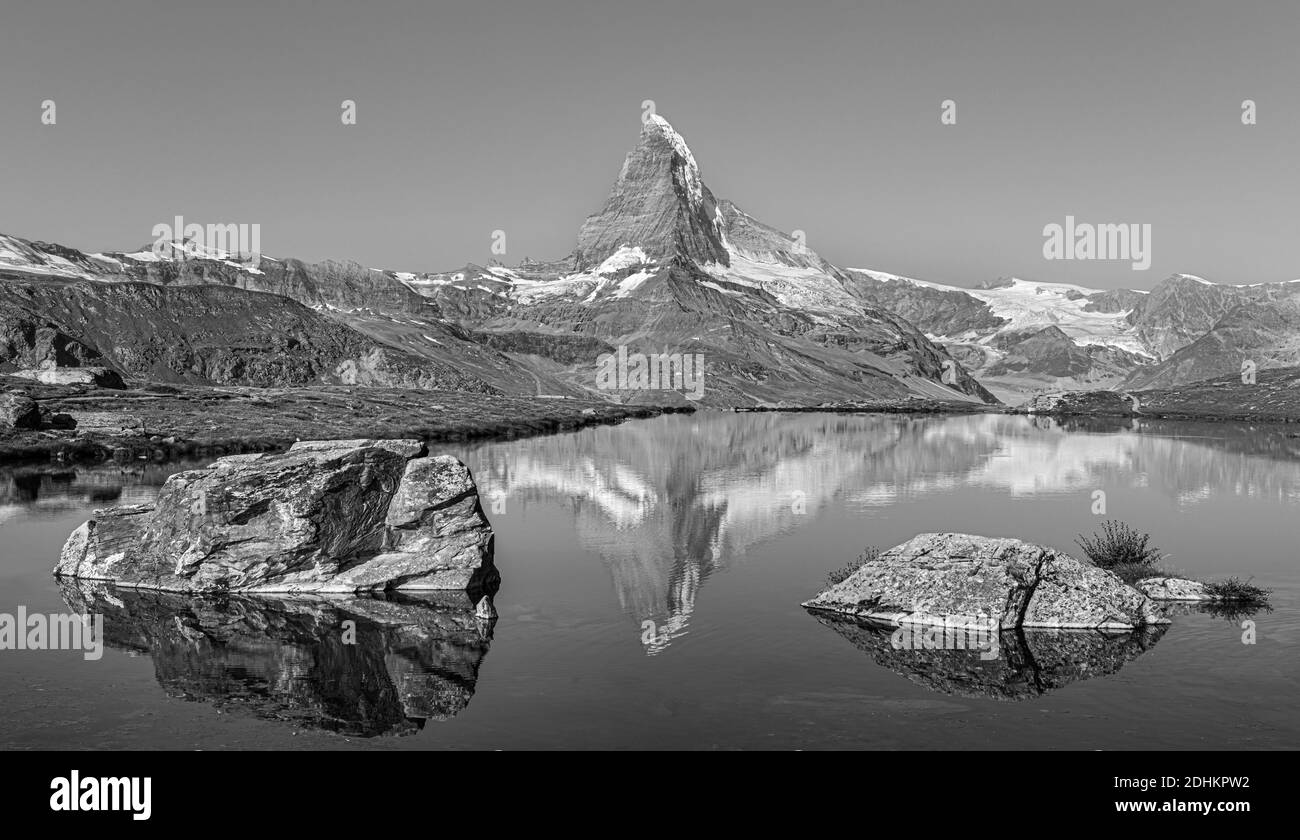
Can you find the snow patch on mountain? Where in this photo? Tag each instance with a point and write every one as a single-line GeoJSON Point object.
{"type": "Point", "coordinates": [809, 288]}
{"type": "Point", "coordinates": [1028, 305]}
{"type": "Point", "coordinates": [631, 283]}
{"type": "Point", "coordinates": [503, 273]}
{"type": "Point", "coordinates": [624, 258]}
{"type": "Point", "coordinates": [886, 277]}
{"type": "Point", "coordinates": [18, 255]}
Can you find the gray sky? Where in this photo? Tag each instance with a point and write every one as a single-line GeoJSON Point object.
{"type": "Point", "coordinates": [819, 116]}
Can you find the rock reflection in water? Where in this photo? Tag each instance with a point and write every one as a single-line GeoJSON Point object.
{"type": "Point", "coordinates": [1232, 612]}
{"type": "Point", "coordinates": [1021, 665]}
{"type": "Point", "coordinates": [408, 658]}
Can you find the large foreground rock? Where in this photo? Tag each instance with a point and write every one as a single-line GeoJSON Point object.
{"type": "Point", "coordinates": [985, 582]}
{"type": "Point", "coordinates": [326, 516]}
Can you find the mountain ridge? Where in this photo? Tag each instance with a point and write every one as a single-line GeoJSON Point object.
{"type": "Point", "coordinates": [665, 266]}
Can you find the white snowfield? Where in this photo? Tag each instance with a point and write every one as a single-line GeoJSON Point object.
{"type": "Point", "coordinates": [1027, 304]}
{"type": "Point", "coordinates": [625, 257]}
{"type": "Point", "coordinates": [16, 255]}
{"type": "Point", "coordinates": [806, 288]}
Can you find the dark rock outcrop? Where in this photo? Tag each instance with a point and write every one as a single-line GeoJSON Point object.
{"type": "Point", "coordinates": [18, 411]}
{"type": "Point", "coordinates": [1092, 403]}
{"type": "Point", "coordinates": [326, 516]}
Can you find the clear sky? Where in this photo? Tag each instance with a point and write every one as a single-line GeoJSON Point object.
{"type": "Point", "coordinates": [818, 116]}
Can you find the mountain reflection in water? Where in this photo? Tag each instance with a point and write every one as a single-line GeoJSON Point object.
{"type": "Point", "coordinates": [666, 503]}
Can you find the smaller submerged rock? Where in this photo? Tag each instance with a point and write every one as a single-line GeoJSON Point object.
{"type": "Point", "coordinates": [974, 581]}
{"type": "Point", "coordinates": [1173, 589]}
{"type": "Point", "coordinates": [325, 516]}
{"type": "Point", "coordinates": [1107, 403]}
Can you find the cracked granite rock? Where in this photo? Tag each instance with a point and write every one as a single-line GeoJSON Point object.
{"type": "Point", "coordinates": [974, 581]}
{"type": "Point", "coordinates": [325, 516]}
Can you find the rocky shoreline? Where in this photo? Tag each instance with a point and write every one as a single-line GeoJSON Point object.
{"type": "Point", "coordinates": [1272, 397]}
{"type": "Point", "coordinates": [908, 406]}
{"type": "Point", "coordinates": [78, 423]}
{"type": "Point", "coordinates": [82, 422]}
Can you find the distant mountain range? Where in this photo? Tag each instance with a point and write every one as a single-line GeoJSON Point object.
{"type": "Point", "coordinates": [1018, 336]}
{"type": "Point", "coordinates": [662, 267]}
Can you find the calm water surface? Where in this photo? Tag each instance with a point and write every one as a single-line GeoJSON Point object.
{"type": "Point", "coordinates": [652, 575]}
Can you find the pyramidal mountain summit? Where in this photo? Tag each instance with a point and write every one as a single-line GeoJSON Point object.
{"type": "Point", "coordinates": [662, 267]}
{"type": "Point", "coordinates": [666, 267]}
{"type": "Point", "coordinates": [659, 205]}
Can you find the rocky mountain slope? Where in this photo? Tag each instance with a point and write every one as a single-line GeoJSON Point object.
{"type": "Point", "coordinates": [662, 268]}
{"type": "Point", "coordinates": [1264, 332]}
{"type": "Point", "coordinates": [199, 335]}
{"type": "Point", "coordinates": [1184, 307]}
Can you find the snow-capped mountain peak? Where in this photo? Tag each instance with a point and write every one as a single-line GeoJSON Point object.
{"type": "Point", "coordinates": [659, 204]}
{"type": "Point", "coordinates": [691, 171]}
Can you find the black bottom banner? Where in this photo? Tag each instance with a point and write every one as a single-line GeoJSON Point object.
{"type": "Point", "coordinates": [175, 790]}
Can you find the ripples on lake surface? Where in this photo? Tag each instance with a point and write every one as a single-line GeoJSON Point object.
{"type": "Point", "coordinates": [652, 576]}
